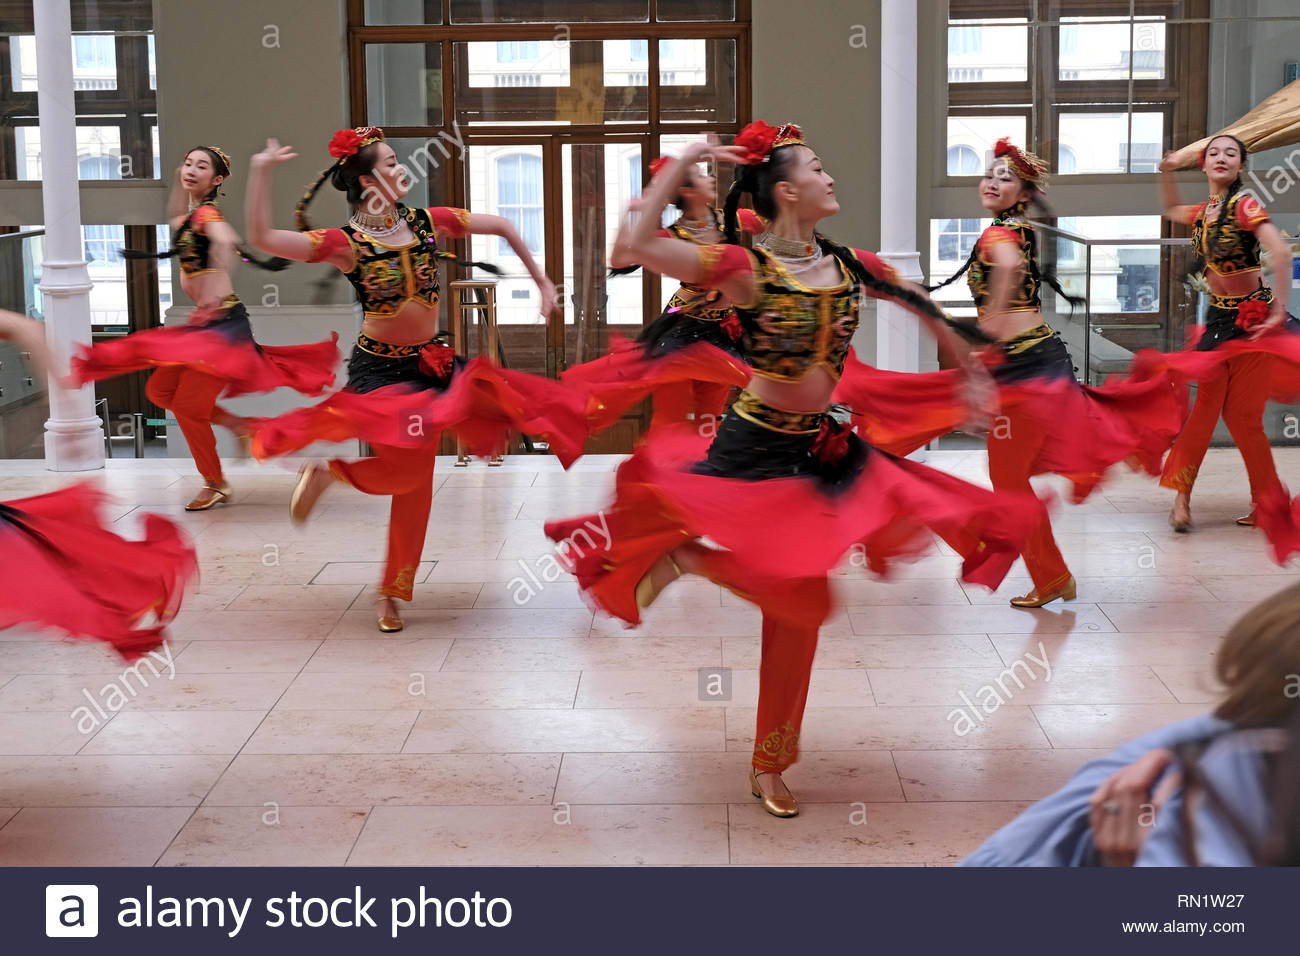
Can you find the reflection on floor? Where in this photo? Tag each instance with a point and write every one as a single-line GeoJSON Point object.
{"type": "Point", "coordinates": [493, 732]}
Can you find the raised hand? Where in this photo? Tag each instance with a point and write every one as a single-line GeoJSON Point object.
{"type": "Point", "coordinates": [274, 154]}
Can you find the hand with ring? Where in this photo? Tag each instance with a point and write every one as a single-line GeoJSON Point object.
{"type": "Point", "coordinates": [1123, 809]}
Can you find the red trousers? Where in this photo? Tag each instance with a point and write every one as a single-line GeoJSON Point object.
{"type": "Point", "coordinates": [407, 475]}
{"type": "Point", "coordinates": [792, 617]}
{"type": "Point", "coordinates": [1014, 446]}
{"type": "Point", "coordinates": [191, 397]}
{"type": "Point", "coordinates": [674, 403]}
{"type": "Point", "coordinates": [1239, 396]}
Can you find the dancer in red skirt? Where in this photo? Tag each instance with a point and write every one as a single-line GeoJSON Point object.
{"type": "Point", "coordinates": [215, 353]}
{"type": "Point", "coordinates": [61, 568]}
{"type": "Point", "coordinates": [693, 315]}
{"type": "Point", "coordinates": [405, 384]}
{"type": "Point", "coordinates": [1047, 422]}
{"type": "Point", "coordinates": [784, 490]}
{"type": "Point", "coordinates": [1248, 350]}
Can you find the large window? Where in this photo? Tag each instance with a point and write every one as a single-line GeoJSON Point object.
{"type": "Point", "coordinates": [545, 112]}
{"type": "Point", "coordinates": [114, 79]}
{"type": "Point", "coordinates": [1096, 87]}
{"type": "Point", "coordinates": [519, 198]}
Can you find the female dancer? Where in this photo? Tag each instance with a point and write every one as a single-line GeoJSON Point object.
{"type": "Point", "coordinates": [404, 385]}
{"type": "Point", "coordinates": [1047, 422]}
{"type": "Point", "coordinates": [1246, 328]}
{"type": "Point", "coordinates": [215, 353]}
{"type": "Point", "coordinates": [693, 314]}
{"type": "Point", "coordinates": [62, 568]}
{"type": "Point", "coordinates": [784, 489]}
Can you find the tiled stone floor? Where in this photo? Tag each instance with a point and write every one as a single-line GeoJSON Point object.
{"type": "Point", "coordinates": [293, 733]}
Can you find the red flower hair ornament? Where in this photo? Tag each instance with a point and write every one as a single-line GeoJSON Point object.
{"type": "Point", "coordinates": [1023, 163]}
{"type": "Point", "coordinates": [758, 139]}
{"type": "Point", "coordinates": [348, 142]}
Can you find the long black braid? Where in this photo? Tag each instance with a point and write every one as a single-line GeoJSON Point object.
{"type": "Point", "coordinates": [758, 181]}
{"type": "Point", "coordinates": [272, 264]}
{"type": "Point", "coordinates": [1044, 276]}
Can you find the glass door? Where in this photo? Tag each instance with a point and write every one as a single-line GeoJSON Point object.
{"type": "Point", "coordinates": [515, 178]}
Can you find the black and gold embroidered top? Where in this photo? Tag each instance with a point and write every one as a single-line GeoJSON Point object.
{"type": "Point", "coordinates": [1009, 228]}
{"type": "Point", "coordinates": [791, 328]}
{"type": "Point", "coordinates": [193, 245]}
{"type": "Point", "coordinates": [387, 277]}
{"type": "Point", "coordinates": [1237, 247]}
{"type": "Point", "coordinates": [696, 301]}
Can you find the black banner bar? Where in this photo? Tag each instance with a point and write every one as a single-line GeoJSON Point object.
{"type": "Point", "coordinates": [653, 911]}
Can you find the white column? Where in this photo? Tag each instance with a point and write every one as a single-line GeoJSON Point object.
{"type": "Point", "coordinates": [897, 330]}
{"type": "Point", "coordinates": [74, 437]}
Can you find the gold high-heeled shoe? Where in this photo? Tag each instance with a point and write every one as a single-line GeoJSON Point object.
{"type": "Point", "coordinates": [1247, 521]}
{"type": "Point", "coordinates": [209, 497]}
{"type": "Point", "coordinates": [786, 806]}
{"type": "Point", "coordinates": [1068, 591]}
{"type": "Point", "coordinates": [388, 623]}
{"type": "Point", "coordinates": [300, 505]}
{"type": "Point", "coordinates": [647, 590]}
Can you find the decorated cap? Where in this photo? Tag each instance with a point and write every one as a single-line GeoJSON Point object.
{"type": "Point", "coordinates": [758, 139]}
{"type": "Point", "coordinates": [1023, 163]}
{"type": "Point", "coordinates": [348, 142]}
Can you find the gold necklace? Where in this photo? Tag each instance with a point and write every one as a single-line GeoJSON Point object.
{"type": "Point", "coordinates": [787, 248]}
{"type": "Point", "coordinates": [377, 224]}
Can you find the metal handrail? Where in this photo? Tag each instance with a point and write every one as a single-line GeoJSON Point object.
{"type": "Point", "coordinates": [22, 235]}
{"type": "Point", "coordinates": [1088, 242]}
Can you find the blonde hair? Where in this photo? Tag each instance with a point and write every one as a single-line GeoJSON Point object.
{"type": "Point", "coordinates": [1259, 663]}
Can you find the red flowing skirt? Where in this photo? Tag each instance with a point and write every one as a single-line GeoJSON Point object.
{"type": "Point", "coordinates": [1090, 428]}
{"type": "Point", "coordinates": [1277, 515]}
{"type": "Point", "coordinates": [482, 406]}
{"type": "Point", "coordinates": [222, 346]}
{"type": "Point", "coordinates": [62, 568]}
{"type": "Point", "coordinates": [616, 382]}
{"type": "Point", "coordinates": [1193, 365]}
{"type": "Point", "coordinates": [782, 534]}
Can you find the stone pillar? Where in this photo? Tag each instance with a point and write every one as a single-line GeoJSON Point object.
{"type": "Point", "coordinates": [74, 437]}
{"type": "Point", "coordinates": [897, 330]}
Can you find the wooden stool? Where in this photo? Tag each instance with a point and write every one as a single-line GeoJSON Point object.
{"type": "Point", "coordinates": [464, 304]}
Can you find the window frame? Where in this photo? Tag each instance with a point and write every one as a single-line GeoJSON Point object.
{"type": "Point", "coordinates": [132, 106]}
{"type": "Point", "coordinates": [1043, 96]}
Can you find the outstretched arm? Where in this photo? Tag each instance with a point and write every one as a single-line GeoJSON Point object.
{"type": "Point", "coordinates": [639, 242]}
{"type": "Point", "coordinates": [284, 243]}
{"type": "Point", "coordinates": [981, 393]}
{"type": "Point", "coordinates": [29, 336]}
{"type": "Point", "coordinates": [1175, 210]}
{"type": "Point", "coordinates": [481, 224]}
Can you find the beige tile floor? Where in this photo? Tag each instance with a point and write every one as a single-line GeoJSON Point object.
{"type": "Point", "coordinates": [293, 733]}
